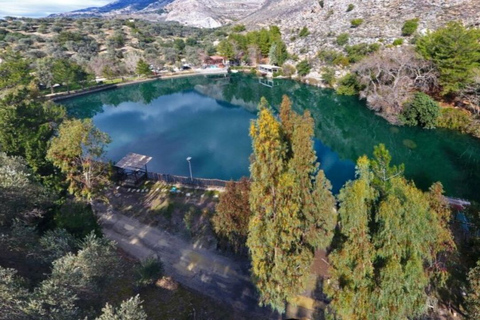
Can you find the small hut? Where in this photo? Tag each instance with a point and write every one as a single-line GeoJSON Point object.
{"type": "Point", "coordinates": [132, 169]}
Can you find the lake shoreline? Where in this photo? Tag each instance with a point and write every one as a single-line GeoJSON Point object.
{"type": "Point", "coordinates": [77, 93]}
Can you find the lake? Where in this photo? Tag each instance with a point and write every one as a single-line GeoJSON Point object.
{"type": "Point", "coordinates": [207, 118]}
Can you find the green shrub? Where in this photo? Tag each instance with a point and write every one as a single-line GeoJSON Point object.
{"type": "Point", "coordinates": [328, 76]}
{"type": "Point", "coordinates": [78, 219]}
{"type": "Point", "coordinates": [458, 119]}
{"type": "Point", "coordinates": [350, 7]}
{"type": "Point", "coordinates": [303, 68]}
{"type": "Point", "coordinates": [359, 51]}
{"type": "Point", "coordinates": [397, 42]}
{"type": "Point", "coordinates": [239, 28]}
{"type": "Point", "coordinates": [304, 32]}
{"type": "Point", "coordinates": [421, 111]}
{"type": "Point", "coordinates": [342, 39]}
{"type": "Point", "coordinates": [148, 271]}
{"type": "Point", "coordinates": [354, 23]}
{"type": "Point", "coordinates": [348, 85]}
{"type": "Point", "coordinates": [409, 27]}
{"type": "Point", "coordinates": [332, 57]}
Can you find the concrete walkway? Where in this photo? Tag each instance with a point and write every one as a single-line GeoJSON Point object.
{"type": "Point", "coordinates": [207, 272]}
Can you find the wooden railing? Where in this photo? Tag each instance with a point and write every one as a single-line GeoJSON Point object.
{"type": "Point", "coordinates": [195, 182]}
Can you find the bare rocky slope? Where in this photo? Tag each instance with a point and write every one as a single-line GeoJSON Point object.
{"type": "Point", "coordinates": [325, 19]}
{"type": "Point", "coordinates": [382, 19]}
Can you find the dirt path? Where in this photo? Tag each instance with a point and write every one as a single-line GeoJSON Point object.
{"type": "Point", "coordinates": [205, 271]}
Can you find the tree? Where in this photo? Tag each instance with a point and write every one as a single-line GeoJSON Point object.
{"type": "Point", "coordinates": [473, 296]}
{"type": "Point", "coordinates": [21, 197]}
{"type": "Point", "coordinates": [13, 295]}
{"type": "Point", "coordinates": [352, 262]}
{"type": "Point", "coordinates": [421, 111]}
{"type": "Point", "coordinates": [455, 51]}
{"type": "Point", "coordinates": [27, 122]}
{"type": "Point", "coordinates": [44, 70]}
{"type": "Point", "coordinates": [68, 73]}
{"type": "Point", "coordinates": [14, 70]}
{"type": "Point", "coordinates": [225, 48]}
{"type": "Point", "coordinates": [390, 76]}
{"type": "Point", "coordinates": [390, 233]}
{"type": "Point", "coordinates": [130, 309]}
{"type": "Point", "coordinates": [77, 151]}
{"type": "Point", "coordinates": [232, 213]}
{"type": "Point", "coordinates": [95, 266]}
{"type": "Point", "coordinates": [292, 206]}
{"type": "Point", "coordinates": [143, 68]}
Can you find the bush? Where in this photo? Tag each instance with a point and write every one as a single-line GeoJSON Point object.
{"type": "Point", "coordinates": [304, 32]}
{"type": "Point", "coordinates": [342, 39]}
{"type": "Point", "coordinates": [359, 51]}
{"type": "Point", "coordinates": [397, 42]}
{"type": "Point", "coordinates": [409, 27]}
{"type": "Point", "coordinates": [239, 28]}
{"type": "Point", "coordinates": [348, 85]}
{"type": "Point", "coordinates": [354, 23]}
{"type": "Point", "coordinates": [350, 7]}
{"type": "Point", "coordinates": [332, 57]}
{"type": "Point", "coordinates": [421, 111]}
{"type": "Point", "coordinates": [328, 76]}
{"type": "Point", "coordinates": [148, 271]}
{"type": "Point", "coordinates": [288, 70]}
{"type": "Point", "coordinates": [455, 119]}
{"type": "Point", "coordinates": [78, 219]}
{"type": "Point", "coordinates": [303, 68]}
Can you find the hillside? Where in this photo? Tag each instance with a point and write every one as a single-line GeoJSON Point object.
{"type": "Point", "coordinates": [382, 18]}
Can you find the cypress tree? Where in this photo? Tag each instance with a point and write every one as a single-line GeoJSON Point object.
{"type": "Point", "coordinates": [292, 210]}
{"type": "Point", "coordinates": [390, 233]}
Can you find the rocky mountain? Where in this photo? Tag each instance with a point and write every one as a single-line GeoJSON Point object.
{"type": "Point", "coordinates": [120, 7]}
{"type": "Point", "coordinates": [381, 19]}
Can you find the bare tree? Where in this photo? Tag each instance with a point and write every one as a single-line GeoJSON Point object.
{"type": "Point", "coordinates": [391, 76]}
{"type": "Point", "coordinates": [131, 61]}
{"type": "Point", "coordinates": [470, 95]}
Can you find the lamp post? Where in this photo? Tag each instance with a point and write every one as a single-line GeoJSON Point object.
{"type": "Point", "coordinates": [190, 167]}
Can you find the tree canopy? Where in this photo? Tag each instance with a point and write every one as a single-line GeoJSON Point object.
{"type": "Point", "coordinates": [455, 51]}
{"type": "Point", "coordinates": [390, 234]}
{"type": "Point", "coordinates": [77, 151]}
{"type": "Point", "coordinates": [292, 206]}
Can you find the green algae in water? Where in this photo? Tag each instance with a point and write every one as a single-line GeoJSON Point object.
{"type": "Point", "coordinates": [410, 144]}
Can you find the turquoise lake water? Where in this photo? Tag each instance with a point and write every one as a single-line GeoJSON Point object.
{"type": "Point", "coordinates": [207, 118]}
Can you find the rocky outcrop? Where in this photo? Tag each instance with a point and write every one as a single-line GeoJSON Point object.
{"type": "Point", "coordinates": [211, 13]}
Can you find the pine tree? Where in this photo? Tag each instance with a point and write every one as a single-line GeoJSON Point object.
{"type": "Point", "coordinates": [455, 51]}
{"type": "Point", "coordinates": [390, 232]}
{"type": "Point", "coordinates": [292, 212]}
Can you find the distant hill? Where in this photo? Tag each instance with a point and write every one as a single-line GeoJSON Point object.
{"type": "Point", "coordinates": [118, 7]}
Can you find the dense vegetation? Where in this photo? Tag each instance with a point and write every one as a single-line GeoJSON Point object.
{"type": "Point", "coordinates": [392, 251]}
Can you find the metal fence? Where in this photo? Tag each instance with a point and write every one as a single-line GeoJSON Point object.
{"type": "Point", "coordinates": [195, 182]}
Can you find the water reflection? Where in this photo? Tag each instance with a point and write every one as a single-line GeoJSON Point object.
{"type": "Point", "coordinates": [201, 117]}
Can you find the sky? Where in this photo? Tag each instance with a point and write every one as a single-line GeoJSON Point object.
{"type": "Point", "coordinates": [42, 8]}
